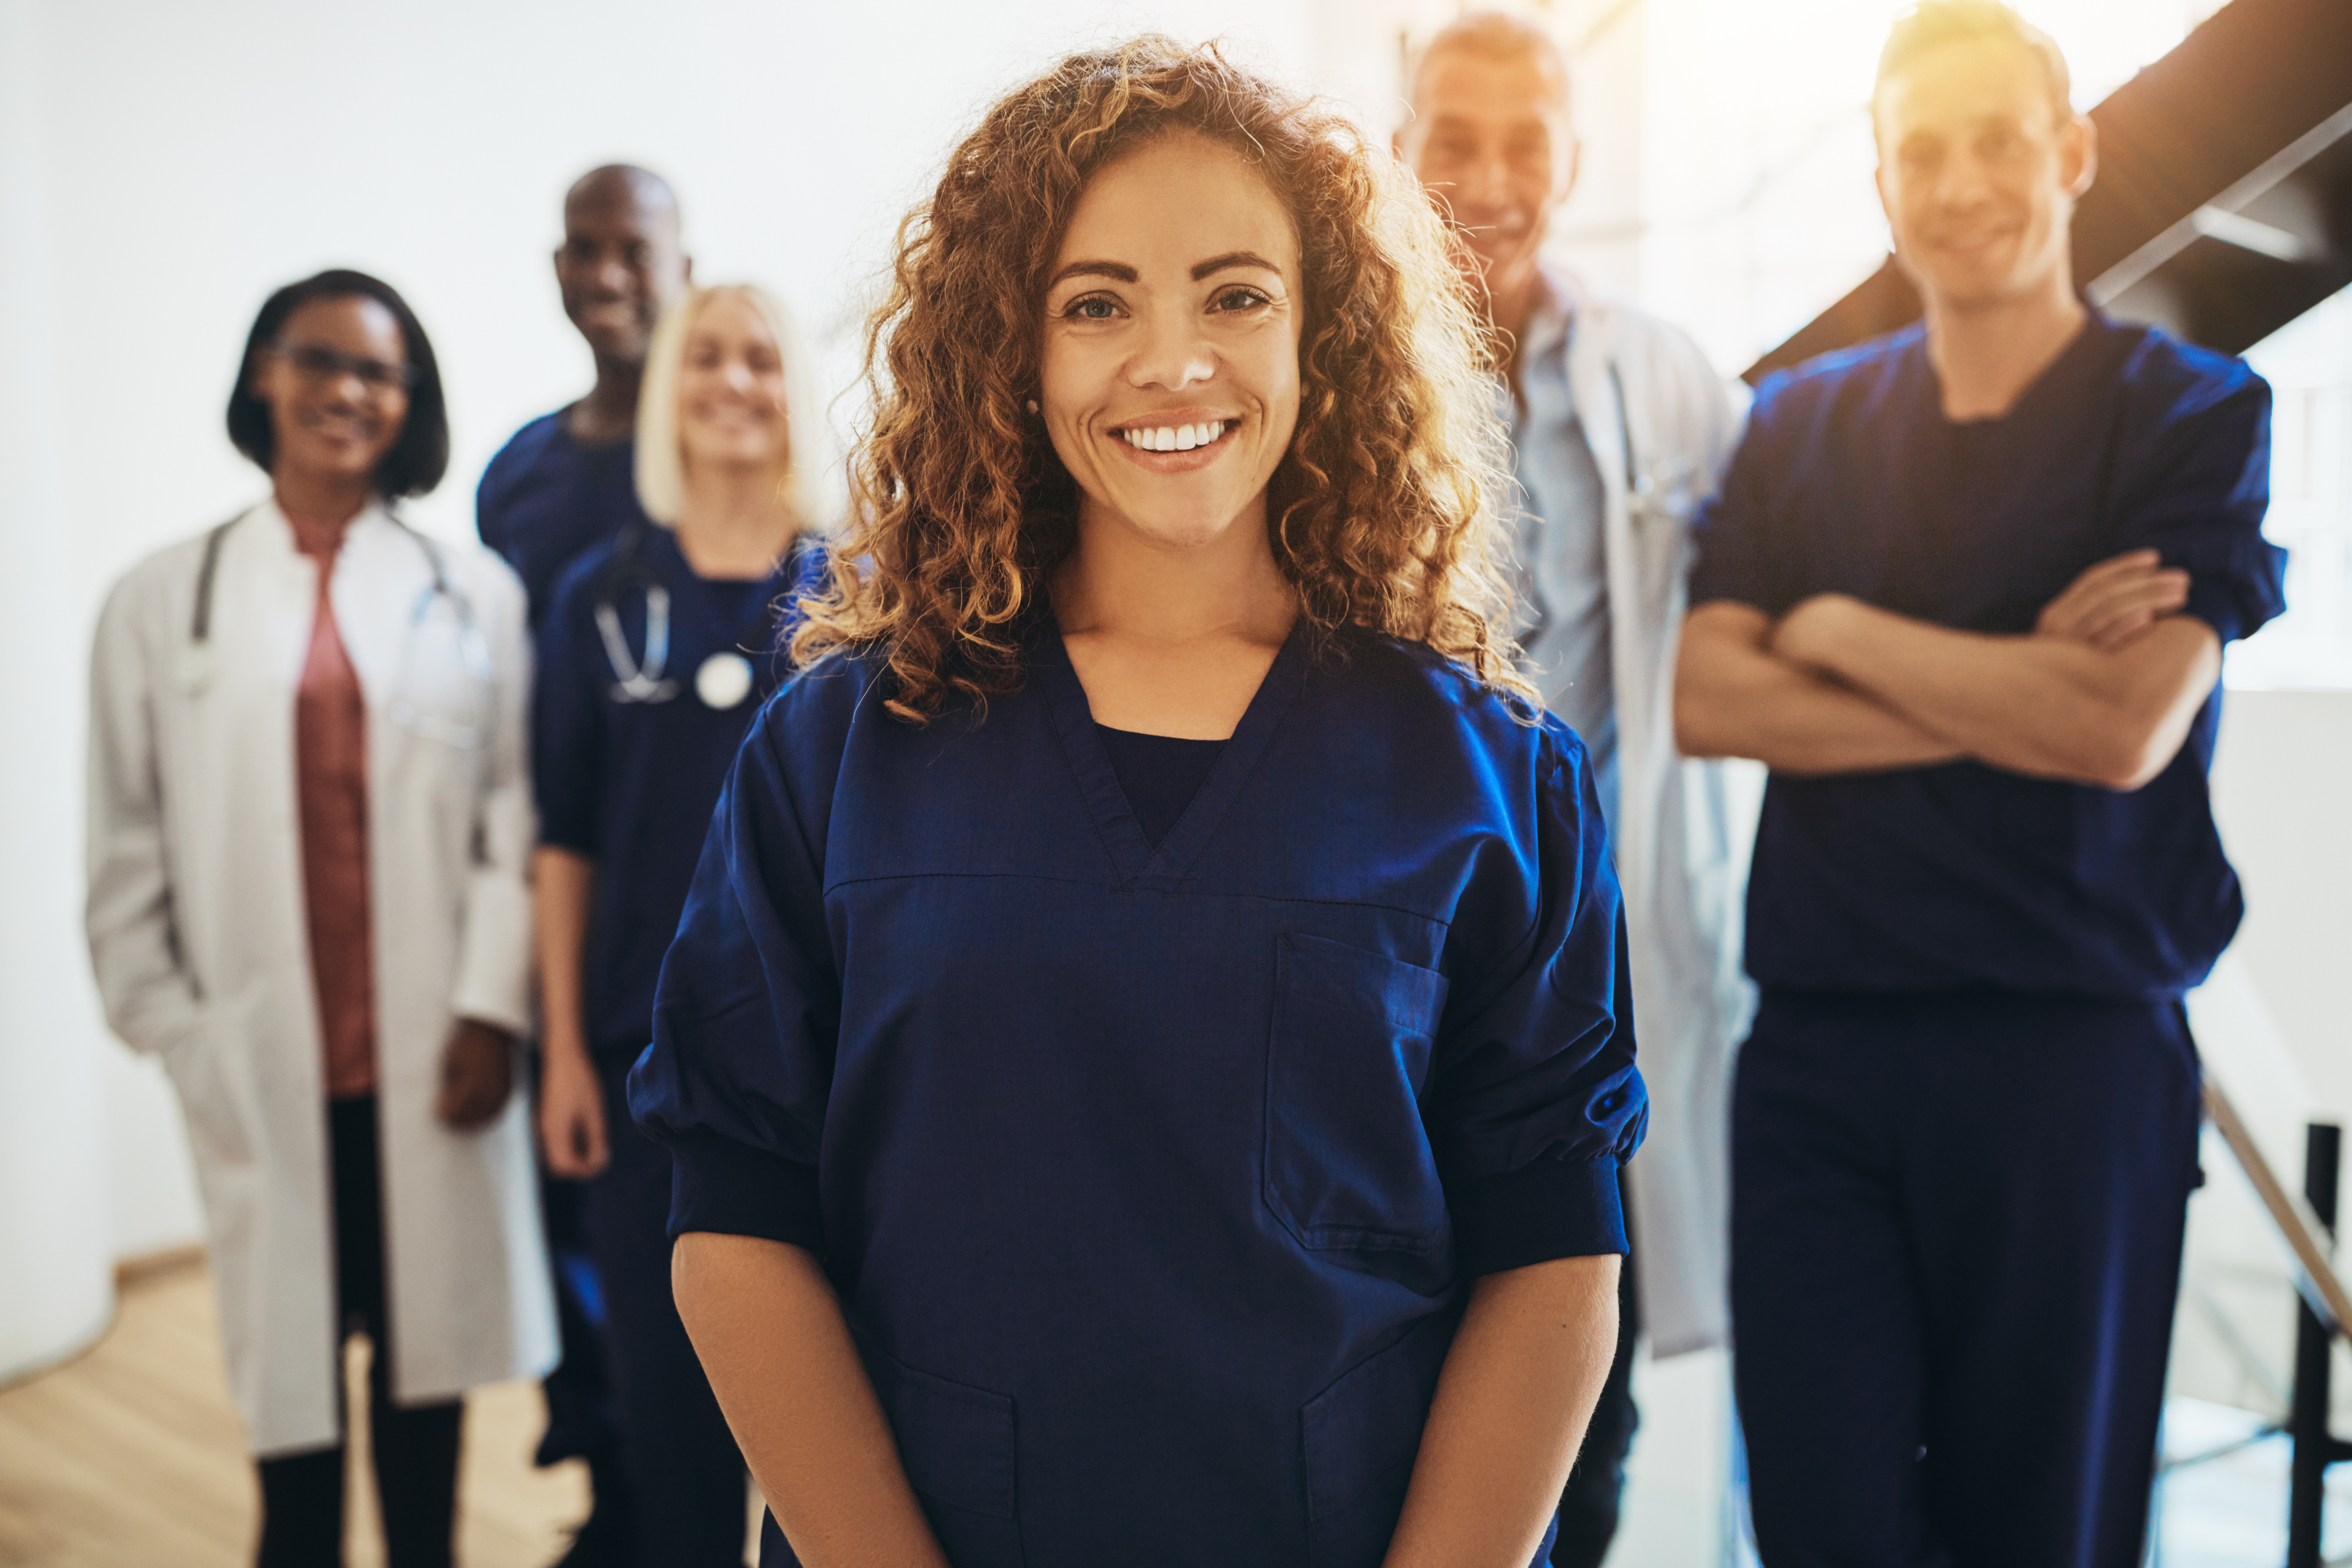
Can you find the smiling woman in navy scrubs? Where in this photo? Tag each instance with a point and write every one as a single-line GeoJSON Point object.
{"type": "Point", "coordinates": [653, 652]}
{"type": "Point", "coordinates": [1145, 1053]}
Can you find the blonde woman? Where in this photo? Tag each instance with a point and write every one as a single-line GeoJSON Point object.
{"type": "Point", "coordinates": [654, 654]}
{"type": "Point", "coordinates": [1144, 1054]}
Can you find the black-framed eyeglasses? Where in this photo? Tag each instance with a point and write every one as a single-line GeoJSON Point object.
{"type": "Point", "coordinates": [317, 361]}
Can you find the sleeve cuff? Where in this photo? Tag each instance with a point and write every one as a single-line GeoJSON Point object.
{"type": "Point", "coordinates": [2217, 606]}
{"type": "Point", "coordinates": [1553, 1208]}
{"type": "Point", "coordinates": [556, 831]}
{"type": "Point", "coordinates": [493, 980]}
{"type": "Point", "coordinates": [719, 1185]}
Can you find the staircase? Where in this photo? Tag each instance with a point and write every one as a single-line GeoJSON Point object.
{"type": "Point", "coordinates": [2223, 205]}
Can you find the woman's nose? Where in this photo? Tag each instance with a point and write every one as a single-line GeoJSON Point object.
{"type": "Point", "coordinates": [1174, 353]}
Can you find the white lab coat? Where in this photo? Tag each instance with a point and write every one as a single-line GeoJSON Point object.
{"type": "Point", "coordinates": [1684, 827]}
{"type": "Point", "coordinates": [199, 936]}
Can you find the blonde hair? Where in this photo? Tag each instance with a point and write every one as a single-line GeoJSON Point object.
{"type": "Point", "coordinates": [661, 462]}
{"type": "Point", "coordinates": [1932, 24]}
{"type": "Point", "coordinates": [1501, 35]}
{"type": "Point", "coordinates": [1382, 514]}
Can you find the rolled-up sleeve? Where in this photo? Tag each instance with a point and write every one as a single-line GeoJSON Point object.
{"type": "Point", "coordinates": [2207, 465]}
{"type": "Point", "coordinates": [747, 1013]}
{"type": "Point", "coordinates": [493, 979]}
{"type": "Point", "coordinates": [1534, 1101]}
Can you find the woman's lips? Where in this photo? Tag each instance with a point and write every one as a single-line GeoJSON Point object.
{"type": "Point", "coordinates": [1188, 448]}
{"type": "Point", "coordinates": [338, 430]}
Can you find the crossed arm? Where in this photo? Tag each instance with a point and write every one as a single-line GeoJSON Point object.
{"type": "Point", "coordinates": [2102, 691]}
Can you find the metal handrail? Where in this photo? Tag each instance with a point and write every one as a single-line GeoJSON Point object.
{"type": "Point", "coordinates": [2300, 1228]}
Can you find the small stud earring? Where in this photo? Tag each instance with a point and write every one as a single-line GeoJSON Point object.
{"type": "Point", "coordinates": [1033, 405]}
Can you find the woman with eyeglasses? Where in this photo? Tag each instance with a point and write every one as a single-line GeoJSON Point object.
{"type": "Point", "coordinates": [309, 825]}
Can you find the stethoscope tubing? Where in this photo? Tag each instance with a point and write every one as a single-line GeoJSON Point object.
{"type": "Point", "coordinates": [197, 656]}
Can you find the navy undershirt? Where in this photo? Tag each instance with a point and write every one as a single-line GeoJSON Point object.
{"type": "Point", "coordinates": [1159, 774]}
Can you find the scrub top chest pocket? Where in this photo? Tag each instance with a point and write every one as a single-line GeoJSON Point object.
{"type": "Point", "coordinates": [1348, 1162]}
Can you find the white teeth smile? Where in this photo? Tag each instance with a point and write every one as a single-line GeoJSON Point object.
{"type": "Point", "coordinates": [1174, 438]}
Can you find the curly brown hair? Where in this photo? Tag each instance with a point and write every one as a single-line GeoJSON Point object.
{"type": "Point", "coordinates": [1381, 514]}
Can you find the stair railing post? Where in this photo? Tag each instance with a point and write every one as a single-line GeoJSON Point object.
{"type": "Point", "coordinates": [2307, 1419]}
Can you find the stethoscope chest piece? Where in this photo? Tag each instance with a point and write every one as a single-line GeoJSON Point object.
{"type": "Point", "coordinates": [723, 680]}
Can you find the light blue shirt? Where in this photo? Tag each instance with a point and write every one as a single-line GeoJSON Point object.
{"type": "Point", "coordinates": [1563, 577]}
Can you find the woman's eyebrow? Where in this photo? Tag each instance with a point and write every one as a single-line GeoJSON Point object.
{"type": "Point", "coordinates": [1233, 259]}
{"type": "Point", "coordinates": [1118, 271]}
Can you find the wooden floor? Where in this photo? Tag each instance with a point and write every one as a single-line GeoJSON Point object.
{"type": "Point", "coordinates": [134, 1455]}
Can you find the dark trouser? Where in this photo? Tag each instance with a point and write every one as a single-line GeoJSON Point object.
{"type": "Point", "coordinates": [415, 1449]}
{"type": "Point", "coordinates": [1956, 1241]}
{"type": "Point", "coordinates": [1589, 1508]}
{"type": "Point", "coordinates": [686, 1476]}
{"type": "Point", "coordinates": [581, 1423]}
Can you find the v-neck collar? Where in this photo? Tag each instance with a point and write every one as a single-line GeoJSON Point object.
{"type": "Point", "coordinates": [1135, 863]}
{"type": "Point", "coordinates": [746, 607]}
{"type": "Point", "coordinates": [2060, 379]}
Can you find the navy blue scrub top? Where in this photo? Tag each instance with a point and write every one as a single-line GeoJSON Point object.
{"type": "Point", "coordinates": [1153, 1180]}
{"type": "Point", "coordinates": [631, 785]}
{"type": "Point", "coordinates": [1851, 479]}
{"type": "Point", "coordinates": [547, 496]}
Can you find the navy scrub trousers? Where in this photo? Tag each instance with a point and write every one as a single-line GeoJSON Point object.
{"type": "Point", "coordinates": [1956, 1228]}
{"type": "Point", "coordinates": [684, 1470]}
{"type": "Point", "coordinates": [628, 784]}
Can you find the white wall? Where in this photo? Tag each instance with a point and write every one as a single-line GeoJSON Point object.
{"type": "Point", "coordinates": [54, 1289]}
{"type": "Point", "coordinates": [2272, 1026]}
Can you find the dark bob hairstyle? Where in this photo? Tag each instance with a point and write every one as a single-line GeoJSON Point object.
{"type": "Point", "coordinates": [421, 456]}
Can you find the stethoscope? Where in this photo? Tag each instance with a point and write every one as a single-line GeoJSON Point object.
{"type": "Point", "coordinates": [404, 708]}
{"type": "Point", "coordinates": [722, 680]}
{"type": "Point", "coordinates": [1642, 503]}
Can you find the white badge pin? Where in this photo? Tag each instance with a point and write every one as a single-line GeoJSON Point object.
{"type": "Point", "coordinates": [724, 680]}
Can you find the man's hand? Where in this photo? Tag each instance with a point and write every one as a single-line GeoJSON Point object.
{"type": "Point", "coordinates": [1803, 636]}
{"type": "Point", "coordinates": [477, 1075]}
{"type": "Point", "coordinates": [2045, 706]}
{"type": "Point", "coordinates": [2112, 603]}
{"type": "Point", "coordinates": [571, 1113]}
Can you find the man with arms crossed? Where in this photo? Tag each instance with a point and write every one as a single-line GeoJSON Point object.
{"type": "Point", "coordinates": [1965, 591]}
{"type": "Point", "coordinates": [1619, 428]}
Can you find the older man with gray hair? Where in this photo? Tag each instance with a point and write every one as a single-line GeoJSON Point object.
{"type": "Point", "coordinates": [1619, 428]}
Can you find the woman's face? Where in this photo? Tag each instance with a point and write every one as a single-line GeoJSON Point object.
{"type": "Point", "coordinates": [1170, 370]}
{"type": "Point", "coordinates": [336, 381]}
{"type": "Point", "coordinates": [731, 389]}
